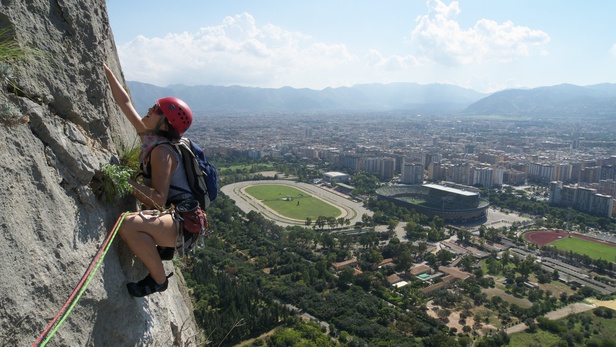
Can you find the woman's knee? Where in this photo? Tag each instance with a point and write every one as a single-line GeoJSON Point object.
{"type": "Point", "coordinates": [127, 228]}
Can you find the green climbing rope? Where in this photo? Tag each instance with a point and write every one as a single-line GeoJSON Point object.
{"type": "Point", "coordinates": [57, 321]}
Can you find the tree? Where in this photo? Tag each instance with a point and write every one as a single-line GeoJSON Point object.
{"type": "Point", "coordinates": [393, 223]}
{"type": "Point", "coordinates": [505, 258]}
{"type": "Point", "coordinates": [340, 221]}
{"type": "Point", "coordinates": [366, 219]}
{"type": "Point", "coordinates": [494, 267]}
{"type": "Point", "coordinates": [328, 240]}
{"type": "Point", "coordinates": [369, 239]}
{"type": "Point", "coordinates": [467, 262]}
{"type": "Point", "coordinates": [320, 222]}
{"type": "Point", "coordinates": [444, 256]}
{"type": "Point", "coordinates": [443, 314]}
{"type": "Point", "coordinates": [404, 261]}
{"type": "Point", "coordinates": [438, 222]}
{"type": "Point", "coordinates": [463, 235]}
{"type": "Point", "coordinates": [482, 230]}
{"type": "Point", "coordinates": [345, 277]}
{"type": "Point", "coordinates": [527, 266]}
{"type": "Point", "coordinates": [373, 257]}
{"type": "Point", "coordinates": [414, 231]}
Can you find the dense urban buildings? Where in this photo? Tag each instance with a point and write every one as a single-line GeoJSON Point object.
{"type": "Point", "coordinates": [406, 148]}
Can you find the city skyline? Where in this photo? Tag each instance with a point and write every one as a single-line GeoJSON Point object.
{"type": "Point", "coordinates": [485, 46]}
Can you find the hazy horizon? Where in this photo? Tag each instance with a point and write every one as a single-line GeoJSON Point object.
{"type": "Point", "coordinates": [484, 46]}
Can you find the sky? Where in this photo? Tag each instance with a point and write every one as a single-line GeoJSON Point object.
{"type": "Point", "coordinates": [485, 45]}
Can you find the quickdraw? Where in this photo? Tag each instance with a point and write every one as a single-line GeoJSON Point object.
{"type": "Point", "coordinates": [57, 321]}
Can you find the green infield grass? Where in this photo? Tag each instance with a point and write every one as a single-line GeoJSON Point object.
{"type": "Point", "coordinates": [592, 249]}
{"type": "Point", "coordinates": [292, 202]}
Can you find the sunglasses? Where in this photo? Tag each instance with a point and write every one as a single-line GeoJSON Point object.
{"type": "Point", "coordinates": [158, 110]}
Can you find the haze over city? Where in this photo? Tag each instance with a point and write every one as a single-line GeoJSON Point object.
{"type": "Point", "coordinates": [483, 45]}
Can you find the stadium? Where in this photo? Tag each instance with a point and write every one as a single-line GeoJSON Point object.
{"type": "Point", "coordinates": [451, 203]}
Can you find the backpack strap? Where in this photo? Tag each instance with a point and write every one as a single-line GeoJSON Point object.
{"type": "Point", "coordinates": [146, 172]}
{"type": "Point", "coordinates": [183, 161]}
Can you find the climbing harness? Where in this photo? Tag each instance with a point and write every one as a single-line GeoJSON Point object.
{"type": "Point", "coordinates": [183, 241]}
{"type": "Point", "coordinates": [57, 321]}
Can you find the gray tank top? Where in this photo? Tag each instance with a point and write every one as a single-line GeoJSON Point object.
{"type": "Point", "coordinates": [178, 188]}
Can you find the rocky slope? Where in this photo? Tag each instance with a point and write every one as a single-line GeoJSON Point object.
{"type": "Point", "coordinates": [64, 126]}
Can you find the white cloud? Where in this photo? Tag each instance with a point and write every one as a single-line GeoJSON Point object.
{"type": "Point", "coordinates": [239, 51]}
{"type": "Point", "coordinates": [613, 50]}
{"type": "Point", "coordinates": [392, 63]}
{"type": "Point", "coordinates": [439, 38]}
{"type": "Point", "coordinates": [235, 52]}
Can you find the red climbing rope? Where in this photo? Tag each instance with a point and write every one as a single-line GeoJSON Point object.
{"type": "Point", "coordinates": [53, 326]}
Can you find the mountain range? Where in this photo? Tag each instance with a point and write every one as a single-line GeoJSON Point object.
{"type": "Point", "coordinates": [563, 100]}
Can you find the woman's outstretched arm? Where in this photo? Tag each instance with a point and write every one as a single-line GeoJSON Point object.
{"type": "Point", "coordinates": [123, 100]}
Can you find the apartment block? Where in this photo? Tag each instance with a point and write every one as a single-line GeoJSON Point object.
{"type": "Point", "coordinates": [581, 198]}
{"type": "Point", "coordinates": [412, 173]}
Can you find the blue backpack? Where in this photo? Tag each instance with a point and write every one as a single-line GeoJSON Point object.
{"type": "Point", "coordinates": [202, 175]}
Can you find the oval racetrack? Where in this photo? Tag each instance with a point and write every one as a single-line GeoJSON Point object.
{"type": "Point", "coordinates": [247, 203]}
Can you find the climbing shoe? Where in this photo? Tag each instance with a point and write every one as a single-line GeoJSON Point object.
{"type": "Point", "coordinates": [147, 286]}
{"type": "Point", "coordinates": [166, 253]}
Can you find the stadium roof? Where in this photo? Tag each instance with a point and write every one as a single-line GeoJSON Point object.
{"type": "Point", "coordinates": [335, 174]}
{"type": "Point", "coordinates": [450, 190]}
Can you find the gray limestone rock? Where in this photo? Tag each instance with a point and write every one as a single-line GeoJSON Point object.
{"type": "Point", "coordinates": [51, 222]}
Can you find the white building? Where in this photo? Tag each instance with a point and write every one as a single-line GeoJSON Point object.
{"type": "Point", "coordinates": [334, 177]}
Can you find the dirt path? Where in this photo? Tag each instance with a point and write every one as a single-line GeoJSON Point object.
{"type": "Point", "coordinates": [609, 304]}
{"type": "Point", "coordinates": [570, 309]}
{"type": "Point", "coordinates": [562, 312]}
{"type": "Point", "coordinates": [262, 337]}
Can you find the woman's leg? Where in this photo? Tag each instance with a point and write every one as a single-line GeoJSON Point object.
{"type": "Point", "coordinates": [143, 233]}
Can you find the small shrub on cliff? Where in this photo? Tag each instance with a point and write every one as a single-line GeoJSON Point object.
{"type": "Point", "coordinates": [111, 182]}
{"type": "Point", "coordinates": [114, 182]}
{"type": "Point", "coordinates": [9, 113]}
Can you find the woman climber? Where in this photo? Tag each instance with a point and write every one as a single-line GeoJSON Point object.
{"type": "Point", "coordinates": [152, 237]}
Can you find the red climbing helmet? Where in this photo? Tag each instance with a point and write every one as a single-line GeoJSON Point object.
{"type": "Point", "coordinates": [177, 113]}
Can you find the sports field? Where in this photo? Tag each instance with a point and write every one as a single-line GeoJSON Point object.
{"type": "Point", "coordinates": [291, 202]}
{"type": "Point", "coordinates": [577, 243]}
{"type": "Point", "coordinates": [592, 249]}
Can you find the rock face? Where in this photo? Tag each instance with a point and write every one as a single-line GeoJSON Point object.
{"type": "Point", "coordinates": [66, 125]}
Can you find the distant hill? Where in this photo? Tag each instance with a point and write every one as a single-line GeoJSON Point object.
{"type": "Point", "coordinates": [429, 99]}
{"type": "Point", "coordinates": [563, 100]}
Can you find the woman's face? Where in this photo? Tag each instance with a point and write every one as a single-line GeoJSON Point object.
{"type": "Point", "coordinates": [153, 117]}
